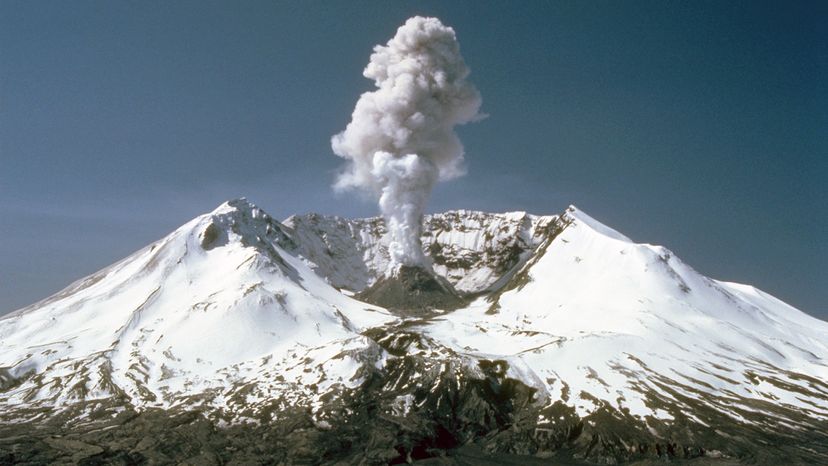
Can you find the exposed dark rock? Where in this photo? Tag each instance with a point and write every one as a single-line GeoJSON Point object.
{"type": "Point", "coordinates": [209, 236]}
{"type": "Point", "coordinates": [457, 414]}
{"type": "Point", "coordinates": [427, 405]}
{"type": "Point", "coordinates": [412, 289]}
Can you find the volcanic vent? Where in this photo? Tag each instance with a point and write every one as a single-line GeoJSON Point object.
{"type": "Point", "coordinates": [400, 142]}
{"type": "Point", "coordinates": [412, 288]}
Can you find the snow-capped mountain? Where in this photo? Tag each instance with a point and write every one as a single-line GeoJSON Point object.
{"type": "Point", "coordinates": [572, 339]}
{"type": "Point", "coordinates": [607, 320]}
{"type": "Point", "coordinates": [219, 301]}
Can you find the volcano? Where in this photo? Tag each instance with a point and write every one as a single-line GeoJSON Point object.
{"type": "Point", "coordinates": [238, 337]}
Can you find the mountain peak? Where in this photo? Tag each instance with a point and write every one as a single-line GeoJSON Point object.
{"type": "Point", "coordinates": [240, 205]}
{"type": "Point", "coordinates": [576, 215]}
{"type": "Point", "coordinates": [241, 219]}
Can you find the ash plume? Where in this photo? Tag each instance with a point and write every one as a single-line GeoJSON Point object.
{"type": "Point", "coordinates": [401, 138]}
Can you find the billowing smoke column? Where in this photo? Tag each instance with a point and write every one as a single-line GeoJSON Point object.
{"type": "Point", "coordinates": [401, 139]}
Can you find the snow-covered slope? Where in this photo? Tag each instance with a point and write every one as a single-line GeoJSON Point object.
{"type": "Point", "coordinates": [596, 320]}
{"type": "Point", "coordinates": [220, 301]}
{"type": "Point", "coordinates": [242, 315]}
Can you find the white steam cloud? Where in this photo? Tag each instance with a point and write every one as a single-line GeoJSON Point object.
{"type": "Point", "coordinates": [401, 138]}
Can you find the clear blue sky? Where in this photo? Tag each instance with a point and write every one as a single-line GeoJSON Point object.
{"type": "Point", "coordinates": [702, 126]}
